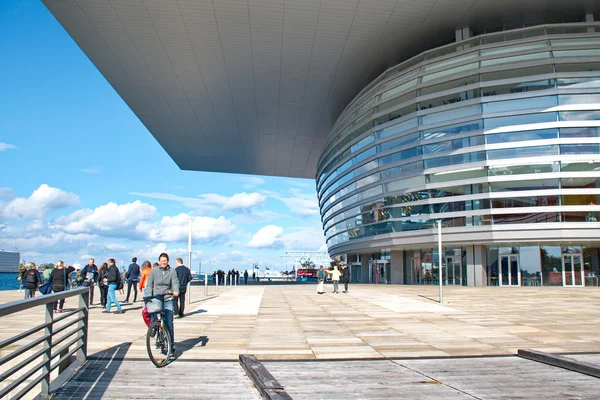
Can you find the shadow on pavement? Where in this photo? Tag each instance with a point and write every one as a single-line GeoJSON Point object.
{"type": "Point", "coordinates": [189, 344]}
{"type": "Point", "coordinates": [92, 380]}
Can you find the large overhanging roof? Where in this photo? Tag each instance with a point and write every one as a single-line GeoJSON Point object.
{"type": "Point", "coordinates": [254, 86]}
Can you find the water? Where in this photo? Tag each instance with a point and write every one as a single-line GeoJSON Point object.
{"type": "Point", "coordinates": [8, 280]}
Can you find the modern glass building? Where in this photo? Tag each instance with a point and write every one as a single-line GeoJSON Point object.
{"type": "Point", "coordinates": [497, 137]}
{"type": "Point", "coordinates": [483, 115]}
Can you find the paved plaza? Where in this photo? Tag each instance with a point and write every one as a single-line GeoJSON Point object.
{"type": "Point", "coordinates": [370, 322]}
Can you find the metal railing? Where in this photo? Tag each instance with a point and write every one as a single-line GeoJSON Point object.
{"type": "Point", "coordinates": [59, 346]}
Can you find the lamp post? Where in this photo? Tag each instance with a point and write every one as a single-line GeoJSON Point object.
{"type": "Point", "coordinates": [439, 229]}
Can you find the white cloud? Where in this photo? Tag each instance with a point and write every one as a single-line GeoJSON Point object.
{"type": "Point", "coordinates": [176, 228]}
{"type": "Point", "coordinates": [239, 202]}
{"type": "Point", "coordinates": [112, 219]}
{"type": "Point", "coordinates": [300, 203]}
{"type": "Point", "coordinates": [6, 146]}
{"type": "Point", "coordinates": [42, 201]}
{"type": "Point", "coordinates": [92, 170]}
{"type": "Point", "coordinates": [267, 236]}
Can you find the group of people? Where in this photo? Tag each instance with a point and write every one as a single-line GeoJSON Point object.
{"type": "Point", "coordinates": [232, 276]}
{"type": "Point", "coordinates": [336, 274]}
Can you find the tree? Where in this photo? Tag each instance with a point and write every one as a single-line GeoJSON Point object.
{"type": "Point", "coordinates": [307, 264]}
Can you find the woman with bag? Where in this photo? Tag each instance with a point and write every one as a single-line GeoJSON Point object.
{"type": "Point", "coordinates": [103, 284]}
{"type": "Point", "coordinates": [113, 278]}
{"type": "Point", "coordinates": [59, 277]}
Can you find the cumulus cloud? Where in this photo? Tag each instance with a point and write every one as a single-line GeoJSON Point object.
{"type": "Point", "coordinates": [267, 237]}
{"type": "Point", "coordinates": [250, 182]}
{"type": "Point", "coordinates": [42, 201]}
{"type": "Point", "coordinates": [112, 218]}
{"type": "Point", "coordinates": [176, 228]}
{"type": "Point", "coordinates": [6, 146]}
{"type": "Point", "coordinates": [92, 170]}
{"type": "Point", "coordinates": [239, 202]}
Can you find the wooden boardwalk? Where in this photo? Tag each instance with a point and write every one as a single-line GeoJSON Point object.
{"type": "Point", "coordinates": [493, 378]}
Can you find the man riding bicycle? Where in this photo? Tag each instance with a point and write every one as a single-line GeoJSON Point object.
{"type": "Point", "coordinates": [163, 281]}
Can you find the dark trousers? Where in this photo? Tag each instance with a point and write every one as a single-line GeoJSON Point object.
{"type": "Point", "coordinates": [245, 280]}
{"type": "Point", "coordinates": [60, 303]}
{"type": "Point", "coordinates": [131, 283]}
{"type": "Point", "coordinates": [91, 285]}
{"type": "Point", "coordinates": [179, 302]}
{"type": "Point", "coordinates": [103, 295]}
{"type": "Point", "coordinates": [346, 285]}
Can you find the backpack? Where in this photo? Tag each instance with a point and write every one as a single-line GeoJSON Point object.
{"type": "Point", "coordinates": [31, 278]}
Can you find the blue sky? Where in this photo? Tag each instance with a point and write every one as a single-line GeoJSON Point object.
{"type": "Point", "coordinates": [81, 176]}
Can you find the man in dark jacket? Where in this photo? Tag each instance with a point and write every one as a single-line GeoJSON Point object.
{"type": "Point", "coordinates": [90, 276]}
{"type": "Point", "coordinates": [184, 276]}
{"type": "Point", "coordinates": [133, 277]}
{"type": "Point", "coordinates": [60, 278]}
{"type": "Point", "coordinates": [31, 281]}
{"type": "Point", "coordinates": [345, 277]}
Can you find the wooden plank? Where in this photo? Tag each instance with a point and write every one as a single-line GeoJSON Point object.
{"type": "Point", "coordinates": [267, 385]}
{"type": "Point", "coordinates": [561, 362]}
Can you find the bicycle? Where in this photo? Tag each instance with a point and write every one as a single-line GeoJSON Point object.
{"type": "Point", "coordinates": [158, 338]}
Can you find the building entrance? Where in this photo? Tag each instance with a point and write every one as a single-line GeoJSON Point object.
{"type": "Point", "coordinates": [379, 271]}
{"type": "Point", "coordinates": [510, 274]}
{"type": "Point", "coordinates": [453, 270]}
{"type": "Point", "coordinates": [572, 270]}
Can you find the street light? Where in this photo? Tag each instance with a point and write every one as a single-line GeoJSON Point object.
{"type": "Point", "coordinates": [439, 229]}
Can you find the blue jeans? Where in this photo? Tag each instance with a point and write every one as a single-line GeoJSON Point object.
{"type": "Point", "coordinates": [112, 297]}
{"type": "Point", "coordinates": [169, 310]}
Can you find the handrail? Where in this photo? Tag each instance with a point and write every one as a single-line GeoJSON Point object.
{"type": "Point", "coordinates": [51, 355]}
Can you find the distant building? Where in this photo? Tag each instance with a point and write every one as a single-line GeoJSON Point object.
{"type": "Point", "coordinates": [9, 261]}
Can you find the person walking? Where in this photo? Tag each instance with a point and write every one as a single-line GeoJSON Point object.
{"type": "Point", "coordinates": [245, 277]}
{"type": "Point", "coordinates": [133, 277]}
{"type": "Point", "coordinates": [103, 284]}
{"type": "Point", "coordinates": [60, 278]}
{"type": "Point", "coordinates": [335, 278]}
{"type": "Point", "coordinates": [146, 268]}
{"type": "Point", "coordinates": [184, 276]}
{"type": "Point", "coordinates": [320, 279]}
{"type": "Point", "coordinates": [113, 277]}
{"type": "Point", "coordinates": [345, 277]}
{"type": "Point", "coordinates": [163, 281]}
{"type": "Point", "coordinates": [90, 276]}
{"type": "Point", "coordinates": [31, 281]}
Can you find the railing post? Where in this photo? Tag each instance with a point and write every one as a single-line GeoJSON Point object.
{"type": "Point", "coordinates": [49, 316]}
{"type": "Point", "coordinates": [83, 326]}
{"type": "Point", "coordinates": [205, 285]}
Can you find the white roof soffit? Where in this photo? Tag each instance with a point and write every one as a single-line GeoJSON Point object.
{"type": "Point", "coordinates": [254, 86]}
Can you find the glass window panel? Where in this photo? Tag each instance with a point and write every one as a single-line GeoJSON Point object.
{"type": "Point", "coordinates": [394, 129]}
{"type": "Point", "coordinates": [540, 134]}
{"type": "Point", "coordinates": [398, 100]}
{"type": "Point", "coordinates": [398, 89]}
{"type": "Point", "coordinates": [399, 78]}
{"type": "Point", "coordinates": [579, 99]}
{"type": "Point", "coordinates": [566, 166]}
{"type": "Point", "coordinates": [580, 83]}
{"type": "Point", "coordinates": [580, 183]}
{"type": "Point", "coordinates": [401, 141]}
{"type": "Point", "coordinates": [450, 99]}
{"type": "Point", "coordinates": [367, 167]}
{"type": "Point", "coordinates": [515, 59]}
{"type": "Point", "coordinates": [447, 145]}
{"type": "Point", "coordinates": [527, 218]}
{"type": "Point", "coordinates": [367, 180]}
{"type": "Point", "coordinates": [450, 114]}
{"type": "Point", "coordinates": [577, 53]}
{"type": "Point", "coordinates": [364, 155]}
{"type": "Point", "coordinates": [452, 130]}
{"type": "Point", "coordinates": [449, 71]}
{"type": "Point", "coordinates": [578, 67]}
{"type": "Point", "coordinates": [514, 48]}
{"type": "Point", "coordinates": [580, 199]}
{"type": "Point", "coordinates": [469, 80]}
{"type": "Point", "coordinates": [405, 183]}
{"type": "Point", "coordinates": [522, 152]}
{"type": "Point", "coordinates": [521, 87]}
{"type": "Point", "coordinates": [533, 201]}
{"type": "Point", "coordinates": [490, 123]}
{"type": "Point", "coordinates": [522, 169]}
{"type": "Point", "coordinates": [520, 104]}
{"type": "Point", "coordinates": [374, 191]}
{"type": "Point", "coordinates": [402, 170]}
{"type": "Point", "coordinates": [513, 186]}
{"type": "Point", "coordinates": [450, 61]}
{"type": "Point", "coordinates": [591, 115]}
{"type": "Point", "coordinates": [455, 159]}
{"type": "Point", "coordinates": [589, 148]}
{"type": "Point", "coordinates": [455, 176]}
{"type": "Point", "coordinates": [516, 73]}
{"type": "Point", "coordinates": [395, 114]}
{"type": "Point", "coordinates": [575, 41]}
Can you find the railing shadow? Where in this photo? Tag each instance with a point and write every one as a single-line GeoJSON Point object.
{"type": "Point", "coordinates": [195, 312]}
{"type": "Point", "coordinates": [189, 344]}
{"type": "Point", "coordinates": [92, 380]}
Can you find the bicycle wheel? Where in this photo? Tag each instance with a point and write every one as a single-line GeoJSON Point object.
{"type": "Point", "coordinates": [158, 344]}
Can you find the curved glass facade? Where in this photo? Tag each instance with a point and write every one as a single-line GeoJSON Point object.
{"type": "Point", "coordinates": [498, 133]}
